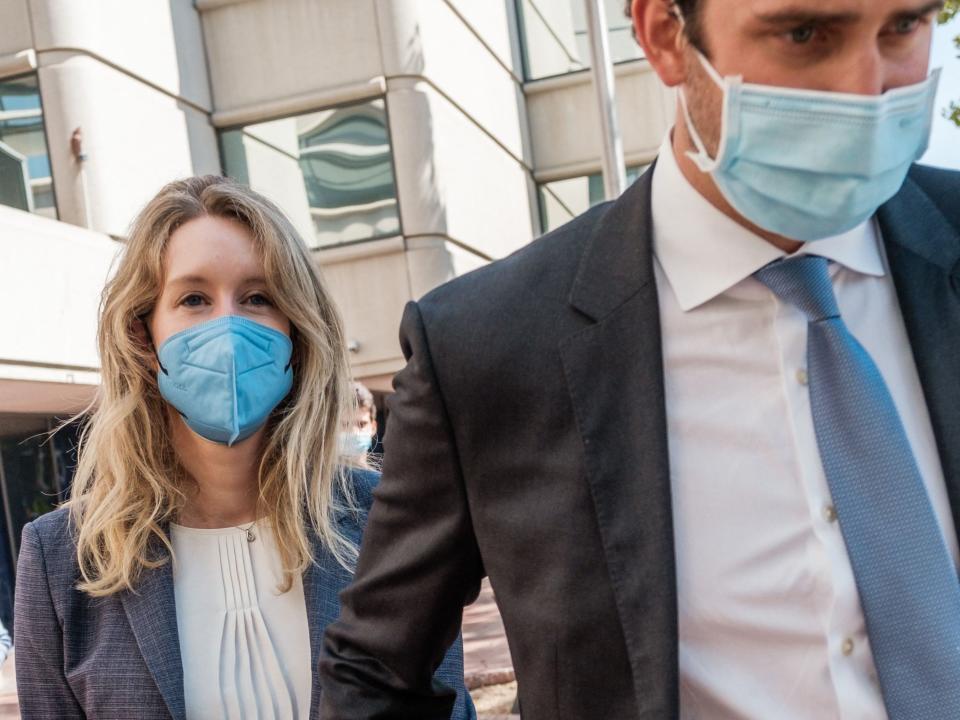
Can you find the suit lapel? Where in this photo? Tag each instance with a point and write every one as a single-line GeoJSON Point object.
{"type": "Point", "coordinates": [152, 614]}
{"type": "Point", "coordinates": [923, 250]}
{"type": "Point", "coordinates": [614, 373]}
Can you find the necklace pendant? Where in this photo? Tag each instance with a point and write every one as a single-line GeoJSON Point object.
{"type": "Point", "coordinates": [250, 536]}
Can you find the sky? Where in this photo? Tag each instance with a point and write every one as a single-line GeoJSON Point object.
{"type": "Point", "coordinates": [944, 148]}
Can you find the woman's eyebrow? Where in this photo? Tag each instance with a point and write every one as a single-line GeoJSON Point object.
{"type": "Point", "coordinates": [188, 280]}
{"type": "Point", "coordinates": [202, 280]}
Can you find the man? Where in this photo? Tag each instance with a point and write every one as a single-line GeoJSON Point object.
{"type": "Point", "coordinates": [705, 440]}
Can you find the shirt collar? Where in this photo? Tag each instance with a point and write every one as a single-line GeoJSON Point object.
{"type": "Point", "coordinates": [704, 253]}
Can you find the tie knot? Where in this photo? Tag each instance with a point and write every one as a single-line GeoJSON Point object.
{"type": "Point", "coordinates": [804, 282]}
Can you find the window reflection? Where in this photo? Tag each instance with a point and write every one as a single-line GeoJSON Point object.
{"type": "Point", "coordinates": [331, 171]}
{"type": "Point", "coordinates": [562, 200]}
{"type": "Point", "coordinates": [25, 180]}
{"type": "Point", "coordinates": [555, 40]}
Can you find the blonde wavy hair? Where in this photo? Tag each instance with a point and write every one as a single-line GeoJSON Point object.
{"type": "Point", "coordinates": [128, 483]}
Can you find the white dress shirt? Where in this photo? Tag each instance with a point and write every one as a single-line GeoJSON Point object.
{"type": "Point", "coordinates": [244, 646]}
{"type": "Point", "coordinates": [770, 624]}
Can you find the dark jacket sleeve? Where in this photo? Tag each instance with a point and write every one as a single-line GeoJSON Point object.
{"type": "Point", "coordinates": [419, 563]}
{"type": "Point", "coordinates": [41, 686]}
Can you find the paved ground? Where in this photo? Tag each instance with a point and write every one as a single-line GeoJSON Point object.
{"type": "Point", "coordinates": [9, 709]}
{"type": "Point", "coordinates": [488, 669]}
{"type": "Point", "coordinates": [485, 652]}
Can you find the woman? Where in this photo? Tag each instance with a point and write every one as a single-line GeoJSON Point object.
{"type": "Point", "coordinates": [210, 528]}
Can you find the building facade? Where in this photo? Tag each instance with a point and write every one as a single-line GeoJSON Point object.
{"type": "Point", "coordinates": [410, 141]}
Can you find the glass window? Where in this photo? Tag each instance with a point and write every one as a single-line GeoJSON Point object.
{"type": "Point", "coordinates": [562, 200]}
{"type": "Point", "coordinates": [555, 41]}
{"type": "Point", "coordinates": [25, 180]}
{"type": "Point", "coordinates": [331, 171]}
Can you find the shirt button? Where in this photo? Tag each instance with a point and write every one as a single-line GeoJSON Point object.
{"type": "Point", "coordinates": [829, 513]}
{"type": "Point", "coordinates": [847, 647]}
{"type": "Point", "coordinates": [802, 377]}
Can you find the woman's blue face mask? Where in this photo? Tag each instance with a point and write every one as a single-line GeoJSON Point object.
{"type": "Point", "coordinates": [225, 376]}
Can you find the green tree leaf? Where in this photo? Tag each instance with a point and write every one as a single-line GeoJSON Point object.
{"type": "Point", "coordinates": [950, 10]}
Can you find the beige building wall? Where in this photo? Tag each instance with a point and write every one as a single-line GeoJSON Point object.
{"type": "Point", "coordinates": [453, 91]}
{"type": "Point", "coordinates": [151, 83]}
{"type": "Point", "coordinates": [133, 76]}
{"type": "Point", "coordinates": [565, 122]}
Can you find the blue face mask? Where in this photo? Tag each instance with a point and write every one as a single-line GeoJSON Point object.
{"type": "Point", "coordinates": [355, 444]}
{"type": "Point", "coordinates": [807, 164]}
{"type": "Point", "coordinates": [225, 376]}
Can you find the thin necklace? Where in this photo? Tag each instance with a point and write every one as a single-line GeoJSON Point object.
{"type": "Point", "coordinates": [249, 531]}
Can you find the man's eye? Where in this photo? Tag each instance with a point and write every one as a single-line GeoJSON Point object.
{"type": "Point", "coordinates": [905, 26]}
{"type": "Point", "coordinates": [802, 35]}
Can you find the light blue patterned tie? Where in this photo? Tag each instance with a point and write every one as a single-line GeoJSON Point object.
{"type": "Point", "coordinates": [906, 580]}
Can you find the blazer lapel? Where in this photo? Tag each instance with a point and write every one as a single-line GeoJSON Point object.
{"type": "Point", "coordinates": [318, 610]}
{"type": "Point", "coordinates": [923, 250]}
{"type": "Point", "coordinates": [152, 614]}
{"type": "Point", "coordinates": [614, 373]}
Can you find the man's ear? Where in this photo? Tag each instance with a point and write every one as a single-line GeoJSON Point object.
{"type": "Point", "coordinates": [659, 31]}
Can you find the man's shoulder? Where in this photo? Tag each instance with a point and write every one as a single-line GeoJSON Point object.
{"type": "Point", "coordinates": [543, 270]}
{"type": "Point", "coordinates": [942, 186]}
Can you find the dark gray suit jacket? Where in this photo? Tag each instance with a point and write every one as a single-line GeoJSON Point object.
{"type": "Point", "coordinates": [527, 440]}
{"type": "Point", "coordinates": [119, 657]}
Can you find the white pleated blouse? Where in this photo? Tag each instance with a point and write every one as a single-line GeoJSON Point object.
{"type": "Point", "coordinates": [245, 647]}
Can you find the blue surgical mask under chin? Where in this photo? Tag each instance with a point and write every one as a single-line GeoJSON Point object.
{"type": "Point", "coordinates": [808, 164]}
{"type": "Point", "coordinates": [225, 376]}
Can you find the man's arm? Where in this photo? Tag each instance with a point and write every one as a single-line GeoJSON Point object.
{"type": "Point", "coordinates": [419, 563]}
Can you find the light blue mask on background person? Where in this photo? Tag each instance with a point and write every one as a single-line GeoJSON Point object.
{"type": "Point", "coordinates": [225, 376]}
{"type": "Point", "coordinates": [355, 444]}
{"type": "Point", "coordinates": [810, 164]}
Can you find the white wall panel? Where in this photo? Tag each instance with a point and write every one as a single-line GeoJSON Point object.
{"type": "Point", "coordinates": [161, 42]}
{"type": "Point", "coordinates": [565, 124]}
{"type": "Point", "coordinates": [51, 277]}
{"type": "Point", "coordinates": [15, 34]}
{"type": "Point", "coordinates": [134, 147]}
{"type": "Point", "coordinates": [426, 38]}
{"type": "Point", "coordinates": [452, 179]}
{"type": "Point", "coordinates": [265, 50]}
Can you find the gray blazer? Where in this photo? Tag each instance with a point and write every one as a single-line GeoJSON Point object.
{"type": "Point", "coordinates": [119, 656]}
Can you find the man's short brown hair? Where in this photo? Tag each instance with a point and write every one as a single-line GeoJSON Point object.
{"type": "Point", "coordinates": [689, 9]}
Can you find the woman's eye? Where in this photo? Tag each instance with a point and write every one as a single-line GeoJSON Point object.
{"type": "Point", "coordinates": [259, 300]}
{"type": "Point", "coordinates": [192, 300]}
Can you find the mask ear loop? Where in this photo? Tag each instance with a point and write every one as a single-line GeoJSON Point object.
{"type": "Point", "coordinates": [702, 157]}
{"type": "Point", "coordinates": [153, 346]}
